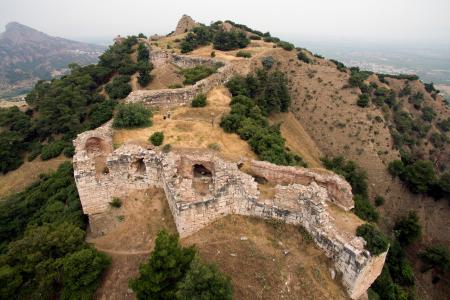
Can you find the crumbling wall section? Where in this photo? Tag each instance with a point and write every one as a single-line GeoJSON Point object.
{"type": "Point", "coordinates": [339, 190]}
{"type": "Point", "coordinates": [300, 197]}
{"type": "Point", "coordinates": [181, 96]}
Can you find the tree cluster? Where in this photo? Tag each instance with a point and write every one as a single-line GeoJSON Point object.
{"type": "Point", "coordinates": [43, 253]}
{"type": "Point", "coordinates": [176, 272]}
{"type": "Point", "coordinates": [254, 98]}
{"type": "Point", "coordinates": [132, 115]}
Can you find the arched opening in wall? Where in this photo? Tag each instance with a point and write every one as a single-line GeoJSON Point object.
{"type": "Point", "coordinates": [138, 167]}
{"type": "Point", "coordinates": [202, 181]}
{"type": "Point", "coordinates": [95, 145]}
{"type": "Point", "coordinates": [267, 189]}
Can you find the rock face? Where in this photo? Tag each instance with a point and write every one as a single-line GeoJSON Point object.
{"type": "Point", "coordinates": [185, 24]}
{"type": "Point", "coordinates": [201, 188]}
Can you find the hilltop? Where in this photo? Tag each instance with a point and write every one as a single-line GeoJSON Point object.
{"type": "Point", "coordinates": [28, 55]}
{"type": "Point", "coordinates": [224, 96]}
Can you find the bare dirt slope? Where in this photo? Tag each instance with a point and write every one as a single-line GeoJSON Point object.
{"type": "Point", "coordinates": [267, 259]}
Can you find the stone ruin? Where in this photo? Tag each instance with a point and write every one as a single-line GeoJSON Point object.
{"type": "Point", "coordinates": [181, 96]}
{"type": "Point", "coordinates": [200, 188]}
{"type": "Point", "coordinates": [185, 24]}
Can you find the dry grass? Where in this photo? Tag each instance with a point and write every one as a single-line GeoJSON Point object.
{"type": "Point", "coordinates": [252, 252]}
{"type": "Point", "coordinates": [297, 139]}
{"type": "Point", "coordinates": [26, 174]}
{"type": "Point", "coordinates": [193, 128]}
{"type": "Point", "coordinates": [164, 76]}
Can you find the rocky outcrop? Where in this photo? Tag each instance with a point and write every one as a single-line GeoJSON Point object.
{"type": "Point", "coordinates": [201, 188]}
{"type": "Point", "coordinates": [185, 24]}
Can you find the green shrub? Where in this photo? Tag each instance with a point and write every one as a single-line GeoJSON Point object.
{"type": "Point", "coordinates": [204, 281]}
{"type": "Point", "coordinates": [226, 41]}
{"type": "Point", "coordinates": [192, 75]}
{"type": "Point", "coordinates": [303, 57]}
{"type": "Point", "coordinates": [199, 101]}
{"type": "Point", "coordinates": [245, 54]}
{"type": "Point", "coordinates": [377, 243]}
{"type": "Point", "coordinates": [101, 113]}
{"type": "Point", "coordinates": [119, 88]}
{"type": "Point", "coordinates": [175, 86]}
{"type": "Point", "coordinates": [379, 200]}
{"type": "Point", "coordinates": [340, 66]}
{"type": "Point", "coordinates": [286, 45]}
{"type": "Point", "coordinates": [69, 150]}
{"type": "Point", "coordinates": [132, 116]}
{"type": "Point", "coordinates": [255, 37]}
{"type": "Point", "coordinates": [363, 100]}
{"type": "Point", "coordinates": [52, 150]}
{"type": "Point", "coordinates": [436, 257]}
{"type": "Point", "coordinates": [364, 209]}
{"type": "Point", "coordinates": [144, 78]}
{"type": "Point", "coordinates": [213, 54]}
{"type": "Point", "coordinates": [167, 148]}
{"type": "Point", "coordinates": [407, 229]}
{"type": "Point", "coordinates": [357, 77]}
{"type": "Point", "coordinates": [267, 62]}
{"type": "Point", "coordinates": [157, 138]}
{"type": "Point", "coordinates": [165, 269]}
{"type": "Point", "coordinates": [428, 114]}
{"type": "Point", "coordinates": [116, 202]}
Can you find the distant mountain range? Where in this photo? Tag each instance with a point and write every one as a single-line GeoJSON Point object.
{"type": "Point", "coordinates": [28, 55]}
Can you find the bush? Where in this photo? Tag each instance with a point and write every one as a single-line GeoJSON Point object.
{"type": "Point", "coordinates": [357, 77]}
{"type": "Point", "coordinates": [364, 209]}
{"type": "Point", "coordinates": [204, 281]}
{"type": "Point", "coordinates": [52, 150]}
{"type": "Point", "coordinates": [119, 88]}
{"type": "Point", "coordinates": [428, 114]}
{"type": "Point", "coordinates": [144, 78]}
{"type": "Point", "coordinates": [377, 243]}
{"type": "Point", "coordinates": [175, 86]}
{"type": "Point", "coordinates": [363, 100]}
{"type": "Point", "coordinates": [379, 200]}
{"type": "Point", "coordinates": [340, 66]}
{"type": "Point", "coordinates": [132, 116]}
{"type": "Point", "coordinates": [157, 138]}
{"type": "Point", "coordinates": [286, 45]}
{"type": "Point", "coordinates": [255, 37]}
{"type": "Point", "coordinates": [245, 54]}
{"type": "Point", "coordinates": [407, 229]}
{"type": "Point", "coordinates": [167, 148]}
{"type": "Point", "coordinates": [303, 57]}
{"type": "Point", "coordinates": [116, 202]}
{"type": "Point", "coordinates": [165, 269]}
{"type": "Point", "coordinates": [199, 101]}
{"type": "Point", "coordinates": [213, 54]}
{"type": "Point", "coordinates": [226, 41]}
{"type": "Point", "coordinates": [267, 62]}
{"type": "Point", "coordinates": [436, 257]}
{"type": "Point", "coordinates": [192, 75]}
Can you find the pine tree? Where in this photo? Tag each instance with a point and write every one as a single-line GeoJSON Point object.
{"type": "Point", "coordinates": [165, 268]}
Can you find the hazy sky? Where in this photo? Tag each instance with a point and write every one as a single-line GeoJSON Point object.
{"type": "Point", "coordinates": [378, 21]}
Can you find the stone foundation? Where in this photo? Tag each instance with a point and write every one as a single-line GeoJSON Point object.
{"type": "Point", "coordinates": [201, 188]}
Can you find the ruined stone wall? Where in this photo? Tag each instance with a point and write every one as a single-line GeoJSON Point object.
{"type": "Point", "coordinates": [196, 200]}
{"type": "Point", "coordinates": [339, 190]}
{"type": "Point", "coordinates": [181, 96]}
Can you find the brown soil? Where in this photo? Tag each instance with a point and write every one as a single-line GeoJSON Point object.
{"type": "Point", "coordinates": [252, 252]}
{"type": "Point", "coordinates": [164, 76]}
{"type": "Point", "coordinates": [26, 174]}
{"type": "Point", "coordinates": [129, 237]}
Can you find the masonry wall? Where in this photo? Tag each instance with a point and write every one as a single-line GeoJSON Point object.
{"type": "Point", "coordinates": [175, 97]}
